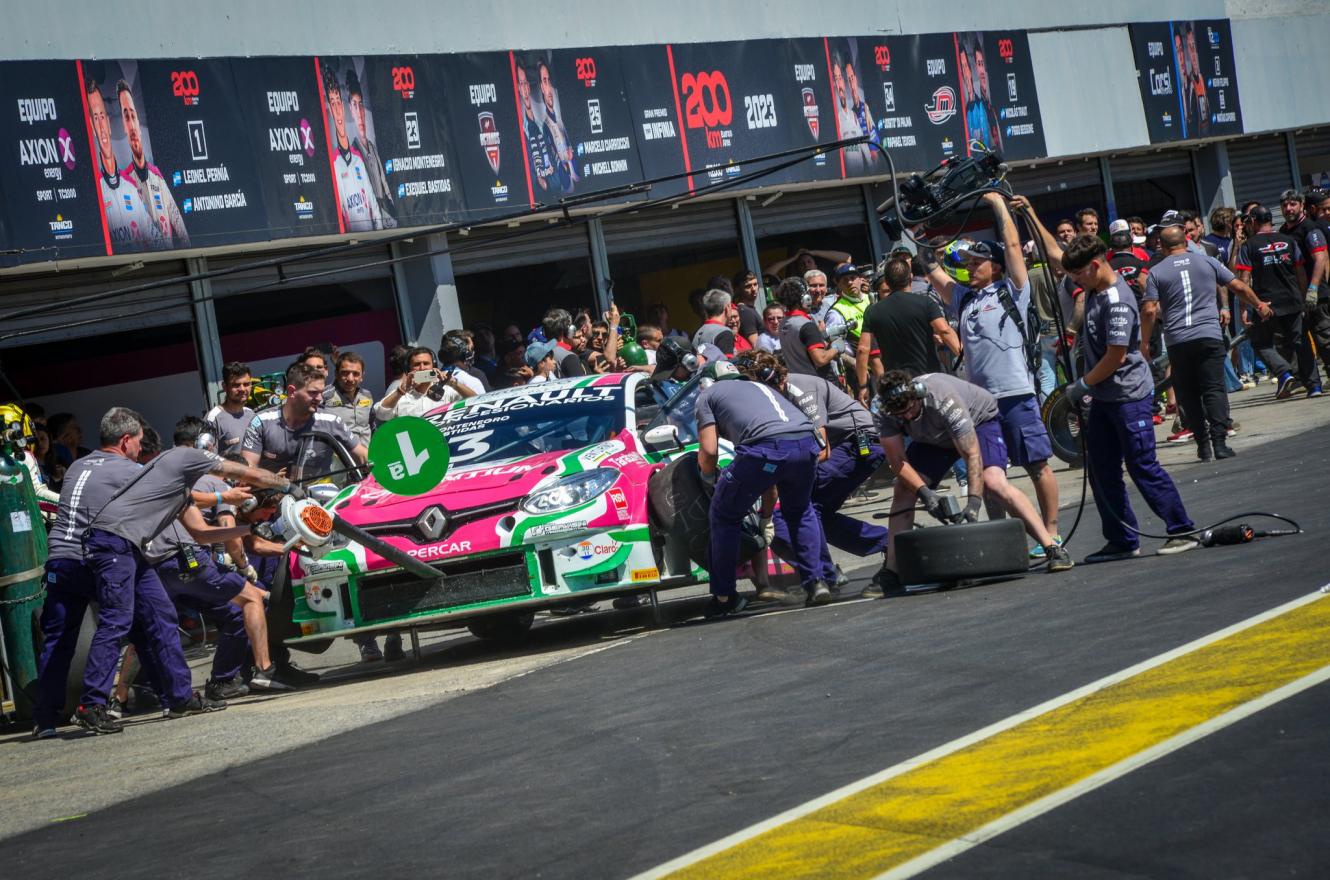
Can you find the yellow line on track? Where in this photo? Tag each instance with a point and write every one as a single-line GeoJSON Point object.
{"type": "Point", "coordinates": [929, 807]}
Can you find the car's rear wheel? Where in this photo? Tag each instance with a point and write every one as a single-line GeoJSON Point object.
{"type": "Point", "coordinates": [508, 628]}
{"type": "Point", "coordinates": [680, 509]}
{"type": "Point", "coordinates": [946, 554]}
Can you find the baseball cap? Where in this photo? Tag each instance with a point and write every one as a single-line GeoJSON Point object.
{"type": "Point", "coordinates": [984, 250]}
{"type": "Point", "coordinates": [845, 269]}
{"type": "Point", "coordinates": [1118, 226]}
{"type": "Point", "coordinates": [1170, 218]}
{"type": "Point", "coordinates": [537, 352]}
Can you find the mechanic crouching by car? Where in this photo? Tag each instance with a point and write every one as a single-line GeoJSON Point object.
{"type": "Point", "coordinates": [946, 418]}
{"type": "Point", "coordinates": [775, 450]}
{"type": "Point", "coordinates": [852, 454]}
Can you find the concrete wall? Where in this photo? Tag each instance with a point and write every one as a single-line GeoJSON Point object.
{"type": "Point", "coordinates": [1109, 118]}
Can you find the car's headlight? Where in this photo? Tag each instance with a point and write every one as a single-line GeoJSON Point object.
{"type": "Point", "coordinates": [570, 491]}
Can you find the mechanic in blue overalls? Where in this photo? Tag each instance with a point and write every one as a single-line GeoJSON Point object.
{"type": "Point", "coordinates": [1118, 428]}
{"type": "Point", "coordinates": [851, 456]}
{"type": "Point", "coordinates": [775, 451]}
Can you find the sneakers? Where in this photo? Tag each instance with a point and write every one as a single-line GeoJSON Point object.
{"type": "Point", "coordinates": [885, 583]}
{"type": "Point", "coordinates": [717, 609]}
{"type": "Point", "coordinates": [370, 653]}
{"type": "Point", "coordinates": [1040, 552]}
{"type": "Point", "coordinates": [1314, 391]}
{"type": "Point", "coordinates": [1181, 436]}
{"type": "Point", "coordinates": [266, 680]}
{"type": "Point", "coordinates": [1157, 419]}
{"type": "Point", "coordinates": [1232, 430]}
{"type": "Point", "coordinates": [392, 649]}
{"type": "Point", "coordinates": [1174, 546]}
{"type": "Point", "coordinates": [1204, 451]}
{"type": "Point", "coordinates": [774, 594]}
{"type": "Point", "coordinates": [40, 731]}
{"type": "Point", "coordinates": [115, 708]}
{"type": "Point", "coordinates": [226, 689]}
{"type": "Point", "coordinates": [197, 704]}
{"type": "Point", "coordinates": [1285, 388]}
{"type": "Point", "coordinates": [1058, 558]}
{"type": "Point", "coordinates": [1248, 381]}
{"type": "Point", "coordinates": [872, 591]}
{"type": "Point", "coordinates": [95, 719]}
{"type": "Point", "coordinates": [1222, 449]}
{"type": "Point", "coordinates": [294, 675]}
{"type": "Point", "coordinates": [1112, 553]}
{"type": "Point", "coordinates": [818, 594]}
{"type": "Point", "coordinates": [842, 580]}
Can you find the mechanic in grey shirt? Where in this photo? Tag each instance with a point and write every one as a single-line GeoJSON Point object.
{"type": "Point", "coordinates": [275, 437]}
{"type": "Point", "coordinates": [947, 418]}
{"type": "Point", "coordinates": [232, 416]}
{"type": "Point", "coordinates": [775, 450]}
{"type": "Point", "coordinates": [1189, 290]}
{"type": "Point", "coordinates": [851, 456]}
{"type": "Point", "coordinates": [1119, 429]}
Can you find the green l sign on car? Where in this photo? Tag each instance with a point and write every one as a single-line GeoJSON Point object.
{"type": "Point", "coordinates": [408, 456]}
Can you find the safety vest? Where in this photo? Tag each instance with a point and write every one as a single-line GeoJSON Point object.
{"type": "Point", "coordinates": [852, 310]}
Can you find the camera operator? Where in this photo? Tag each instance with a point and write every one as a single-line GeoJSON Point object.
{"type": "Point", "coordinates": [947, 418]}
{"type": "Point", "coordinates": [347, 398]}
{"type": "Point", "coordinates": [233, 415]}
{"type": "Point", "coordinates": [421, 389]}
{"type": "Point", "coordinates": [997, 332]}
{"type": "Point", "coordinates": [802, 342]}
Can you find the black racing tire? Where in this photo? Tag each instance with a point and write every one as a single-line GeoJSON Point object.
{"type": "Point", "coordinates": [680, 505]}
{"type": "Point", "coordinates": [509, 628]}
{"type": "Point", "coordinates": [970, 550]}
{"type": "Point", "coordinates": [1064, 428]}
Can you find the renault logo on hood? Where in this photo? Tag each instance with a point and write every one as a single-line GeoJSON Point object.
{"type": "Point", "coordinates": [432, 523]}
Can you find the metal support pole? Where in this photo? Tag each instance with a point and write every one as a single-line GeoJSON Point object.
{"type": "Point", "coordinates": [1110, 200]}
{"type": "Point", "coordinates": [877, 239]}
{"type": "Point", "coordinates": [406, 321]}
{"type": "Point", "coordinates": [748, 243]}
{"type": "Point", "coordinates": [207, 335]}
{"type": "Point", "coordinates": [600, 264]}
{"type": "Point", "coordinates": [1292, 144]}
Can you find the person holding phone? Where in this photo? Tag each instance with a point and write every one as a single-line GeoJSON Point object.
{"type": "Point", "coordinates": [421, 389]}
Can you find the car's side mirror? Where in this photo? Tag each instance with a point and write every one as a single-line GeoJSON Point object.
{"type": "Point", "coordinates": [322, 492]}
{"type": "Point", "coordinates": [662, 438]}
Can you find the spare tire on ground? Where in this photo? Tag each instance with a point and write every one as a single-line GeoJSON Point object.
{"type": "Point", "coordinates": [680, 505]}
{"type": "Point", "coordinates": [958, 552]}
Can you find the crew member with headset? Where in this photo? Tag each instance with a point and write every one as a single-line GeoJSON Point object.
{"type": "Point", "coordinates": [999, 335]}
{"type": "Point", "coordinates": [775, 450]}
{"type": "Point", "coordinates": [845, 317]}
{"type": "Point", "coordinates": [1118, 428]}
{"type": "Point", "coordinates": [852, 455]}
{"type": "Point", "coordinates": [802, 343]}
{"type": "Point", "coordinates": [946, 418]}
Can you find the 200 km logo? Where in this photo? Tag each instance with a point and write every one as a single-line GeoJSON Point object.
{"type": "Point", "coordinates": [706, 100]}
{"type": "Point", "coordinates": [185, 85]}
{"type": "Point", "coordinates": [586, 70]}
{"type": "Point", "coordinates": [404, 81]}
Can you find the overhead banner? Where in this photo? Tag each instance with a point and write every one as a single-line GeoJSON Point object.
{"type": "Point", "coordinates": [657, 124]}
{"type": "Point", "coordinates": [482, 119]}
{"type": "Point", "coordinates": [50, 198]}
{"type": "Point", "coordinates": [577, 127]}
{"type": "Point", "coordinates": [186, 163]}
{"type": "Point", "coordinates": [804, 93]}
{"type": "Point", "coordinates": [279, 99]}
{"type": "Point", "coordinates": [997, 92]}
{"type": "Point", "coordinates": [391, 160]}
{"type": "Point", "coordinates": [1187, 78]}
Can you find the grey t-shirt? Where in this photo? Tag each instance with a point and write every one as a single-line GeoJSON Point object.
{"type": "Point", "coordinates": [1112, 318]}
{"type": "Point", "coordinates": [952, 408]}
{"type": "Point", "coordinates": [157, 495]}
{"type": "Point", "coordinates": [828, 407]}
{"type": "Point", "coordinates": [231, 428]}
{"type": "Point", "coordinates": [175, 534]}
{"type": "Point", "coordinates": [748, 412]}
{"type": "Point", "coordinates": [715, 334]}
{"type": "Point", "coordinates": [277, 443]}
{"type": "Point", "coordinates": [354, 410]}
{"type": "Point", "coordinates": [994, 347]}
{"type": "Point", "coordinates": [799, 335]}
{"type": "Point", "coordinates": [1186, 286]}
{"type": "Point", "coordinates": [90, 483]}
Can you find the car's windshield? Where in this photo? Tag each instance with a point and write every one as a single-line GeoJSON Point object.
{"type": "Point", "coordinates": [509, 425]}
{"type": "Point", "coordinates": [679, 410]}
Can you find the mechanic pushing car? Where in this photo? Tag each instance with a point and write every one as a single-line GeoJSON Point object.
{"type": "Point", "coordinates": [775, 450]}
{"type": "Point", "coordinates": [851, 456]}
{"type": "Point", "coordinates": [947, 418]}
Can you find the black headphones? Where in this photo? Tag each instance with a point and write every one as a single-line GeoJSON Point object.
{"type": "Point", "coordinates": [897, 397]}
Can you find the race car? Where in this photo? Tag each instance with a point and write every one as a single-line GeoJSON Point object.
{"type": "Point", "coordinates": [555, 492]}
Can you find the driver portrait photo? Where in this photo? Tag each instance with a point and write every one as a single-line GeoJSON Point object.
{"type": "Point", "coordinates": [553, 164]}
{"type": "Point", "coordinates": [981, 121]}
{"type": "Point", "coordinates": [141, 213]}
{"type": "Point", "coordinates": [356, 201]}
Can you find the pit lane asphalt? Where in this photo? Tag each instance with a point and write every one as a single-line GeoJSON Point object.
{"type": "Point", "coordinates": [627, 758]}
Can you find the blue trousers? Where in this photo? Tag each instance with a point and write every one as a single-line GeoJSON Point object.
{"type": "Point", "coordinates": [129, 592]}
{"type": "Point", "coordinates": [210, 593]}
{"type": "Point", "coordinates": [837, 478]}
{"type": "Point", "coordinates": [69, 590]}
{"type": "Point", "coordinates": [789, 464]}
{"type": "Point", "coordinates": [1123, 433]}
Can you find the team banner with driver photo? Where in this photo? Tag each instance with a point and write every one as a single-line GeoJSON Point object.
{"type": "Point", "coordinates": [482, 119]}
{"type": "Point", "coordinates": [997, 92]}
{"type": "Point", "coordinates": [1187, 78]}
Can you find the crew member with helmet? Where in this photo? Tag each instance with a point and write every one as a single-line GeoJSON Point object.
{"type": "Point", "coordinates": [1118, 428]}
{"type": "Point", "coordinates": [775, 450]}
{"type": "Point", "coordinates": [852, 455]}
{"type": "Point", "coordinates": [946, 418]}
{"type": "Point", "coordinates": [998, 331]}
